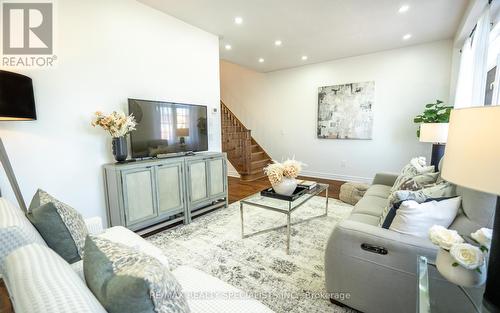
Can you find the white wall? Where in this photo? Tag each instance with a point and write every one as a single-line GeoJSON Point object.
{"type": "Point", "coordinates": [108, 51]}
{"type": "Point", "coordinates": [281, 108]}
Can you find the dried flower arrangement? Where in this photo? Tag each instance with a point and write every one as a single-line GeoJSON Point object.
{"type": "Point", "coordinates": [277, 171]}
{"type": "Point", "coordinates": [117, 124]}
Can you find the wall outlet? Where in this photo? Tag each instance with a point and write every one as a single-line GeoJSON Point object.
{"type": "Point", "coordinates": [343, 164]}
{"type": "Point", "coordinates": [215, 110]}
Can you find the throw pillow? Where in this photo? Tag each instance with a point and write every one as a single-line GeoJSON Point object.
{"type": "Point", "coordinates": [125, 280]}
{"type": "Point", "coordinates": [439, 190]}
{"type": "Point", "coordinates": [413, 218]}
{"type": "Point", "coordinates": [51, 227]}
{"type": "Point", "coordinates": [433, 191]}
{"type": "Point", "coordinates": [392, 211]}
{"type": "Point", "coordinates": [414, 168]}
{"type": "Point", "coordinates": [71, 218]}
{"type": "Point", "coordinates": [419, 181]}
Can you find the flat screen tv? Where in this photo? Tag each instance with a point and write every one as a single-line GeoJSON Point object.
{"type": "Point", "coordinates": [167, 128]}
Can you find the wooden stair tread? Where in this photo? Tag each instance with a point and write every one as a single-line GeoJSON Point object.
{"type": "Point", "coordinates": [243, 151]}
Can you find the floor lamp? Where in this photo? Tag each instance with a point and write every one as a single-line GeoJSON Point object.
{"type": "Point", "coordinates": [437, 133]}
{"type": "Point", "coordinates": [17, 103]}
{"type": "Point", "coordinates": [472, 160]}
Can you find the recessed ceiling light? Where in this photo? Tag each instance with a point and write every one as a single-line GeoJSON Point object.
{"type": "Point", "coordinates": [238, 20]}
{"type": "Point", "coordinates": [261, 60]}
{"type": "Point", "coordinates": [278, 43]}
{"type": "Point", "coordinates": [404, 8]}
{"type": "Point", "coordinates": [228, 47]}
{"type": "Point", "coordinates": [304, 57]}
{"type": "Point", "coordinates": [407, 36]}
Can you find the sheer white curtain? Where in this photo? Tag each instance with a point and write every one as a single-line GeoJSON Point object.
{"type": "Point", "coordinates": [471, 84]}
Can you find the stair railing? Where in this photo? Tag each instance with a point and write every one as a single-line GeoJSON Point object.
{"type": "Point", "coordinates": [238, 143]}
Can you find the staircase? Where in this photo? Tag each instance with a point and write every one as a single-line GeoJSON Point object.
{"type": "Point", "coordinates": [244, 153]}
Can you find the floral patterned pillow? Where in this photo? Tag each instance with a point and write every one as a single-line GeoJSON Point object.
{"type": "Point", "coordinates": [126, 280]}
{"type": "Point", "coordinates": [73, 220]}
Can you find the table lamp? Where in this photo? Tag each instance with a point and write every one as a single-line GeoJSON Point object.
{"type": "Point", "coordinates": [182, 132]}
{"type": "Point", "coordinates": [437, 134]}
{"type": "Point", "coordinates": [17, 103]}
{"type": "Point", "coordinates": [472, 160]}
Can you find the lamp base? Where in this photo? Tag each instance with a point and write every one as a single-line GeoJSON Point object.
{"type": "Point", "coordinates": [491, 297]}
{"type": "Point", "coordinates": [437, 155]}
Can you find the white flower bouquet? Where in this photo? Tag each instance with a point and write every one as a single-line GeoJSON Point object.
{"type": "Point", "coordinates": [277, 171]}
{"type": "Point", "coordinates": [463, 254]}
{"type": "Point", "coordinates": [117, 124]}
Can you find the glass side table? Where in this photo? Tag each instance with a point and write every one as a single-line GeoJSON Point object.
{"type": "Point", "coordinates": [435, 294]}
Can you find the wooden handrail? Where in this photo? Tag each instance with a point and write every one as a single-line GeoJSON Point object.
{"type": "Point", "coordinates": [240, 147]}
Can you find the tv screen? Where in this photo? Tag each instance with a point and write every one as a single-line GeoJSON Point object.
{"type": "Point", "coordinates": [167, 127]}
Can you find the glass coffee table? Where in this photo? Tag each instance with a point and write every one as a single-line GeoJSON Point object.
{"type": "Point", "coordinates": [282, 206]}
{"type": "Point", "coordinates": [435, 294]}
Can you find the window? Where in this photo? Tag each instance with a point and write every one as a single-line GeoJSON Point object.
{"type": "Point", "coordinates": [182, 118]}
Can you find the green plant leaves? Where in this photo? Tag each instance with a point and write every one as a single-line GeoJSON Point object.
{"type": "Point", "coordinates": [434, 113]}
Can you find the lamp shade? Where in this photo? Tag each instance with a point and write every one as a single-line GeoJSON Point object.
{"type": "Point", "coordinates": [182, 132]}
{"type": "Point", "coordinates": [472, 155]}
{"type": "Point", "coordinates": [17, 101]}
{"type": "Point", "coordinates": [434, 132]}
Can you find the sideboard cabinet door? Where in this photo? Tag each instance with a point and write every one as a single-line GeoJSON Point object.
{"type": "Point", "coordinates": [217, 176]}
{"type": "Point", "coordinates": [198, 189]}
{"type": "Point", "coordinates": [170, 188]}
{"type": "Point", "coordinates": [138, 194]}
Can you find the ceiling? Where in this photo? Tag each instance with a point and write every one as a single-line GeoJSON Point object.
{"type": "Point", "coordinates": [319, 29]}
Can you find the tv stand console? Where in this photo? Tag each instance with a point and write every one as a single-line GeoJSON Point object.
{"type": "Point", "coordinates": [147, 195]}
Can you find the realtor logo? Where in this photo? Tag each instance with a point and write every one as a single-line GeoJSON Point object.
{"type": "Point", "coordinates": [27, 33]}
{"type": "Point", "coordinates": [27, 28]}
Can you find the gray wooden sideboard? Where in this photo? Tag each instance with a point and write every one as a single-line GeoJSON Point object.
{"type": "Point", "coordinates": [147, 195]}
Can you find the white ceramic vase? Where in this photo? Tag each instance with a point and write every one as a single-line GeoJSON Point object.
{"type": "Point", "coordinates": [459, 275]}
{"type": "Point", "coordinates": [286, 187]}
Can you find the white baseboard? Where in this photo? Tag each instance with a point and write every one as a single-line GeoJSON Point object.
{"type": "Point", "coordinates": [356, 179]}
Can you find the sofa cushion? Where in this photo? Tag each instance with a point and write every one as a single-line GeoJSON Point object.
{"type": "Point", "coordinates": [479, 207]}
{"type": "Point", "coordinates": [415, 167]}
{"type": "Point", "coordinates": [371, 205]}
{"type": "Point", "coordinates": [364, 218]}
{"type": "Point", "coordinates": [381, 191]}
{"type": "Point", "coordinates": [15, 229]}
{"type": "Point", "coordinates": [40, 281]}
{"type": "Point", "coordinates": [126, 280]}
{"type": "Point", "coordinates": [419, 181]}
{"type": "Point", "coordinates": [53, 230]}
{"type": "Point", "coordinates": [207, 294]}
{"type": "Point", "coordinates": [128, 238]}
{"type": "Point", "coordinates": [413, 218]}
{"type": "Point", "coordinates": [72, 219]}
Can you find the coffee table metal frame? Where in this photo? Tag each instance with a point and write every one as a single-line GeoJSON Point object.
{"type": "Point", "coordinates": [309, 195]}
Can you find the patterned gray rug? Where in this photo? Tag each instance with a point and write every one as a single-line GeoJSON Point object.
{"type": "Point", "coordinates": [259, 264]}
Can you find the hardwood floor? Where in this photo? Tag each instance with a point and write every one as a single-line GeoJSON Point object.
{"type": "Point", "coordinates": [239, 189]}
{"type": "Point", "coordinates": [5, 304]}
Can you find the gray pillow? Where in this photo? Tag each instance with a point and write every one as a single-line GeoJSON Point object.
{"type": "Point", "coordinates": [126, 280]}
{"type": "Point", "coordinates": [443, 189]}
{"type": "Point", "coordinates": [73, 220]}
{"type": "Point", "coordinates": [52, 229]}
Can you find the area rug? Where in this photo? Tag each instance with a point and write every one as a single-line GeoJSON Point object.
{"type": "Point", "coordinates": [259, 264]}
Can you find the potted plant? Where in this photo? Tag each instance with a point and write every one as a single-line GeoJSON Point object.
{"type": "Point", "coordinates": [118, 125]}
{"type": "Point", "coordinates": [434, 113]}
{"type": "Point", "coordinates": [433, 128]}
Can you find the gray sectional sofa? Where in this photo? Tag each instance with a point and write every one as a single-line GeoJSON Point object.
{"type": "Point", "coordinates": [377, 267]}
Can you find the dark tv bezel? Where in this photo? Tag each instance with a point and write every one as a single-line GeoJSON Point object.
{"type": "Point", "coordinates": [171, 102]}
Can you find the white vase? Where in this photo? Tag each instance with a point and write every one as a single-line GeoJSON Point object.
{"type": "Point", "coordinates": [459, 275]}
{"type": "Point", "coordinates": [286, 187]}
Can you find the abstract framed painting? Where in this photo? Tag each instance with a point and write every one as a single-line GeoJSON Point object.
{"type": "Point", "coordinates": [346, 111]}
